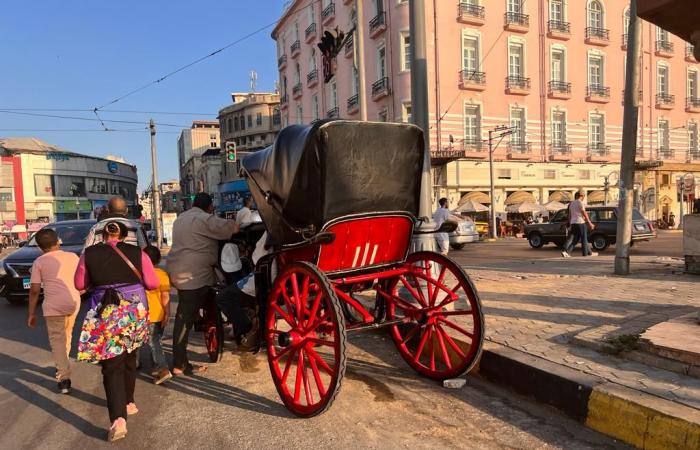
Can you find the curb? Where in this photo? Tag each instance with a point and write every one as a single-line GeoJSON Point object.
{"type": "Point", "coordinates": [634, 417]}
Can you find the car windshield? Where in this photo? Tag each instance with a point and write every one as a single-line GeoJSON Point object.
{"type": "Point", "coordinates": [68, 234]}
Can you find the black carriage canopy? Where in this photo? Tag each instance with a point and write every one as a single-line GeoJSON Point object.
{"type": "Point", "coordinates": [314, 174]}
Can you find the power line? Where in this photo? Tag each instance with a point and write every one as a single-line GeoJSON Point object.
{"type": "Point", "coordinates": [118, 111]}
{"type": "Point", "coordinates": [91, 130]}
{"type": "Point", "coordinates": [88, 119]}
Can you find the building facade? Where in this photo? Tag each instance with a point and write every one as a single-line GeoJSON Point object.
{"type": "Point", "coordinates": [192, 144]}
{"type": "Point", "coordinates": [252, 122]}
{"type": "Point", "coordinates": [41, 182]}
{"type": "Point", "coordinates": [170, 196]}
{"type": "Point", "coordinates": [550, 70]}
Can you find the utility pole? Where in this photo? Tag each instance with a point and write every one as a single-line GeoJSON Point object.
{"type": "Point", "coordinates": [419, 106]}
{"type": "Point", "coordinates": [505, 131]}
{"type": "Point", "coordinates": [360, 52]}
{"type": "Point", "coordinates": [629, 145]}
{"type": "Point", "coordinates": [155, 190]}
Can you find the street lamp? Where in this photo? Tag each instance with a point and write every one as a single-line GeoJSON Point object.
{"type": "Point", "coordinates": [501, 131]}
{"type": "Point", "coordinates": [615, 176]}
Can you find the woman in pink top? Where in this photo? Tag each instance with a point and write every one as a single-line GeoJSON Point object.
{"type": "Point", "coordinates": [115, 265]}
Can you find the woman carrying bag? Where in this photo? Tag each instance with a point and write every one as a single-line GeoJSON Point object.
{"type": "Point", "coordinates": [117, 322]}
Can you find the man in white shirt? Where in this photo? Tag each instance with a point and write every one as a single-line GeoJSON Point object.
{"type": "Point", "coordinates": [579, 222]}
{"type": "Point", "coordinates": [441, 215]}
{"type": "Point", "coordinates": [245, 216]}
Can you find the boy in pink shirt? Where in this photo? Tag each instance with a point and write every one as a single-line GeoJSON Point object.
{"type": "Point", "coordinates": [54, 271]}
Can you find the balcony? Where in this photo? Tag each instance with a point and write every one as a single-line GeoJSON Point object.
{"type": "Point", "coordinates": [665, 101]}
{"type": "Point", "coordinates": [282, 62]}
{"type": "Point", "coordinates": [560, 151]}
{"type": "Point", "coordinates": [310, 32]}
{"type": "Point", "coordinates": [519, 150]}
{"type": "Point", "coordinates": [333, 113]}
{"type": "Point", "coordinates": [596, 93]}
{"type": "Point", "coordinates": [312, 78]}
{"type": "Point", "coordinates": [517, 22]}
{"type": "Point", "coordinates": [354, 104]}
{"type": "Point", "coordinates": [560, 90]}
{"type": "Point", "coordinates": [377, 25]}
{"type": "Point", "coordinates": [517, 85]}
{"type": "Point", "coordinates": [328, 13]}
{"type": "Point", "coordinates": [284, 101]}
{"type": "Point", "coordinates": [665, 153]}
{"type": "Point", "coordinates": [474, 148]}
{"type": "Point", "coordinates": [597, 36]}
{"type": "Point", "coordinates": [559, 29]}
{"type": "Point", "coordinates": [689, 53]}
{"type": "Point", "coordinates": [692, 104]}
{"type": "Point", "coordinates": [380, 89]}
{"type": "Point", "coordinates": [664, 48]}
{"type": "Point", "coordinates": [295, 48]}
{"type": "Point", "coordinates": [471, 14]}
{"type": "Point", "coordinates": [297, 91]}
{"type": "Point", "coordinates": [598, 152]}
{"type": "Point", "coordinates": [350, 46]}
{"type": "Point", "coordinates": [693, 154]}
{"type": "Point", "coordinates": [625, 39]}
{"type": "Point", "coordinates": [472, 80]}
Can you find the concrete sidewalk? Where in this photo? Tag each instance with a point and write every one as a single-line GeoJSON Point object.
{"type": "Point", "coordinates": [551, 325]}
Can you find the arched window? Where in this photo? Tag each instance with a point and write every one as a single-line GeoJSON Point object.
{"type": "Point", "coordinates": [312, 60]}
{"type": "Point", "coordinates": [235, 123]}
{"type": "Point", "coordinates": [297, 74]}
{"type": "Point", "coordinates": [595, 14]}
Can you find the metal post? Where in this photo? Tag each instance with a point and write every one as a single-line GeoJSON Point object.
{"type": "Point", "coordinates": [360, 52]}
{"type": "Point", "coordinates": [154, 182]}
{"type": "Point", "coordinates": [629, 145]}
{"type": "Point", "coordinates": [420, 114]}
{"type": "Point", "coordinates": [492, 213]}
{"type": "Point", "coordinates": [606, 188]}
{"type": "Point", "coordinates": [680, 185]}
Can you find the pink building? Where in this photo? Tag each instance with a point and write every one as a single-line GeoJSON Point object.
{"type": "Point", "coordinates": [554, 69]}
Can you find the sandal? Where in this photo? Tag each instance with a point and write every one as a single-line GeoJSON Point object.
{"type": "Point", "coordinates": [131, 409]}
{"type": "Point", "coordinates": [117, 430]}
{"type": "Point", "coordinates": [190, 369]}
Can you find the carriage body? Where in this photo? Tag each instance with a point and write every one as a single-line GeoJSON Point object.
{"type": "Point", "coordinates": [340, 200]}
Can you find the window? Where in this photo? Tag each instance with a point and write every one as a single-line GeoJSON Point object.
{"type": "Point", "coordinates": [299, 115]}
{"type": "Point", "coordinates": [6, 194]}
{"type": "Point", "coordinates": [312, 60]}
{"type": "Point", "coordinates": [692, 84]}
{"type": "Point", "coordinates": [558, 129]}
{"type": "Point", "coordinates": [314, 107]}
{"type": "Point", "coordinates": [595, 15]}
{"type": "Point", "coordinates": [515, 6]}
{"type": "Point", "coordinates": [297, 76]}
{"type": "Point", "coordinates": [379, 5]}
{"type": "Point", "coordinates": [406, 112]}
{"type": "Point", "coordinates": [472, 124]}
{"type": "Point", "coordinates": [596, 70]}
{"type": "Point", "coordinates": [383, 115]}
{"type": "Point", "coordinates": [596, 131]}
{"type": "Point", "coordinates": [235, 123]}
{"type": "Point", "coordinates": [606, 215]}
{"type": "Point", "coordinates": [229, 127]}
{"type": "Point", "coordinates": [258, 119]}
{"type": "Point", "coordinates": [662, 35]}
{"type": "Point", "coordinates": [296, 31]}
{"type": "Point", "coordinates": [405, 51]}
{"type": "Point", "coordinates": [662, 79]}
{"type": "Point", "coordinates": [66, 186]}
{"type": "Point", "coordinates": [242, 123]}
{"type": "Point", "coordinates": [518, 122]}
{"type": "Point", "coordinates": [333, 90]}
{"type": "Point", "coordinates": [558, 65]}
{"type": "Point", "coordinates": [355, 81]}
{"type": "Point", "coordinates": [250, 121]}
{"type": "Point", "coordinates": [470, 52]}
{"type": "Point", "coordinates": [276, 117]}
{"type": "Point", "coordinates": [663, 137]}
{"type": "Point", "coordinates": [516, 51]}
{"type": "Point", "coordinates": [556, 11]}
{"type": "Point", "coordinates": [381, 63]}
{"type": "Point", "coordinates": [693, 137]}
{"type": "Point", "coordinates": [43, 185]}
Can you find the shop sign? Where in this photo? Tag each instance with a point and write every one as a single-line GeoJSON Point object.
{"type": "Point", "coordinates": [57, 156]}
{"type": "Point", "coordinates": [112, 167]}
{"type": "Point", "coordinates": [70, 206]}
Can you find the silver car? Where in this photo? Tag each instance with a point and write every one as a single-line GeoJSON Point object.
{"type": "Point", "coordinates": [464, 234]}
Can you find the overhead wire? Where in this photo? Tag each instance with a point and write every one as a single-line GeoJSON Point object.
{"type": "Point", "coordinates": [118, 111]}
{"type": "Point", "coordinates": [88, 119]}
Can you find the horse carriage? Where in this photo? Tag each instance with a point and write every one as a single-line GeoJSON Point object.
{"type": "Point", "coordinates": [340, 202]}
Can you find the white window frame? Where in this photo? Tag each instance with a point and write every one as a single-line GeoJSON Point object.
{"type": "Point", "coordinates": [692, 76]}
{"type": "Point", "coordinates": [693, 136]}
{"type": "Point", "coordinates": [523, 57]}
{"type": "Point", "coordinates": [596, 55]}
{"type": "Point", "coordinates": [591, 127]}
{"type": "Point", "coordinates": [562, 140]}
{"type": "Point", "coordinates": [518, 137]}
{"type": "Point", "coordinates": [562, 6]}
{"type": "Point", "coordinates": [663, 138]}
{"type": "Point", "coordinates": [593, 21]}
{"type": "Point", "coordinates": [470, 35]}
{"type": "Point", "coordinates": [405, 54]}
{"type": "Point", "coordinates": [563, 72]}
{"type": "Point", "coordinates": [666, 88]}
{"type": "Point", "coordinates": [333, 94]}
{"type": "Point", "coordinates": [515, 6]}
{"type": "Point", "coordinates": [314, 107]}
{"type": "Point", "coordinates": [406, 112]}
{"type": "Point", "coordinates": [381, 62]}
{"type": "Point", "coordinates": [472, 131]}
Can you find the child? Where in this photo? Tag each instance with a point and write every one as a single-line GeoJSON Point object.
{"type": "Point", "coordinates": [55, 270]}
{"type": "Point", "coordinates": [159, 312]}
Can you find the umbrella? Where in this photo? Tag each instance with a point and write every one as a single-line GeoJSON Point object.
{"type": "Point", "coordinates": [525, 207]}
{"type": "Point", "coordinates": [554, 206]}
{"type": "Point", "coordinates": [471, 206]}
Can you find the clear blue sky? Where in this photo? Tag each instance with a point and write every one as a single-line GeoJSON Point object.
{"type": "Point", "coordinates": [82, 54]}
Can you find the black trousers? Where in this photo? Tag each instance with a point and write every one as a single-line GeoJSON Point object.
{"type": "Point", "coordinates": [236, 304]}
{"type": "Point", "coordinates": [119, 379]}
{"type": "Point", "coordinates": [188, 303]}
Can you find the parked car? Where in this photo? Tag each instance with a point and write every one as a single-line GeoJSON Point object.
{"type": "Point", "coordinates": [465, 232]}
{"type": "Point", "coordinates": [605, 233]}
{"type": "Point", "coordinates": [15, 270]}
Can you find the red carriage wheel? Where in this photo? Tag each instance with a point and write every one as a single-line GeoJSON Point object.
{"type": "Point", "coordinates": [305, 336]}
{"type": "Point", "coordinates": [445, 334]}
{"type": "Point", "coordinates": [213, 331]}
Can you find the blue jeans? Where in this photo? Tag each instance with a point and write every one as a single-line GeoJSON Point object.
{"type": "Point", "coordinates": [579, 232]}
{"type": "Point", "coordinates": [156, 331]}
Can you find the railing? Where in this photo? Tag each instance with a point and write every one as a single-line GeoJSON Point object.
{"type": "Point", "coordinates": [665, 153]}
{"type": "Point", "coordinates": [349, 43]}
{"type": "Point", "coordinates": [602, 34]}
{"type": "Point", "coordinates": [333, 113]}
{"type": "Point", "coordinates": [472, 76]}
{"type": "Point", "coordinates": [692, 102]}
{"type": "Point", "coordinates": [561, 148]}
{"type": "Point", "coordinates": [597, 90]}
{"type": "Point", "coordinates": [281, 60]}
{"type": "Point", "coordinates": [689, 49]}
{"type": "Point", "coordinates": [563, 87]}
{"type": "Point", "coordinates": [328, 11]}
{"type": "Point", "coordinates": [472, 144]}
{"type": "Point", "coordinates": [598, 149]}
{"type": "Point", "coordinates": [377, 22]}
{"type": "Point", "coordinates": [381, 86]}
{"type": "Point", "coordinates": [295, 47]}
{"type": "Point", "coordinates": [296, 90]}
{"type": "Point", "coordinates": [664, 46]}
{"type": "Point", "coordinates": [466, 9]}
{"type": "Point", "coordinates": [519, 147]}
{"type": "Point", "coordinates": [625, 39]}
{"type": "Point", "coordinates": [284, 99]}
{"type": "Point", "coordinates": [559, 26]}
{"type": "Point", "coordinates": [517, 19]}
{"type": "Point", "coordinates": [311, 29]}
{"type": "Point", "coordinates": [353, 102]}
{"type": "Point", "coordinates": [665, 99]}
{"type": "Point", "coordinates": [517, 82]}
{"type": "Point", "coordinates": [693, 154]}
{"type": "Point", "coordinates": [312, 76]}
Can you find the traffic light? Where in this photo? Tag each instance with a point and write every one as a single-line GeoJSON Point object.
{"type": "Point", "coordinates": [174, 197]}
{"type": "Point", "coordinates": [231, 152]}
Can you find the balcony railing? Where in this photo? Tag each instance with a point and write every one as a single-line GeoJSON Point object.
{"type": "Point", "coordinates": [559, 26]}
{"type": "Point", "coordinates": [561, 148]}
{"type": "Point", "coordinates": [598, 149]}
{"type": "Point", "coordinates": [692, 103]}
{"type": "Point", "coordinates": [377, 23]}
{"type": "Point", "coordinates": [353, 102]}
{"type": "Point", "coordinates": [689, 55]}
{"type": "Point", "coordinates": [597, 90]}
{"type": "Point", "coordinates": [665, 99]}
{"type": "Point", "coordinates": [328, 12]}
{"type": "Point", "coordinates": [560, 87]}
{"type": "Point", "coordinates": [600, 34]}
{"type": "Point", "coordinates": [472, 145]}
{"type": "Point", "coordinates": [350, 44]}
{"type": "Point", "coordinates": [469, 10]}
{"type": "Point", "coordinates": [513, 18]}
{"type": "Point", "coordinates": [381, 87]}
{"type": "Point", "coordinates": [295, 47]}
{"type": "Point", "coordinates": [282, 60]}
{"type": "Point", "coordinates": [310, 30]}
{"type": "Point", "coordinates": [517, 82]}
{"type": "Point", "coordinates": [312, 77]}
{"type": "Point", "coordinates": [520, 147]}
{"type": "Point", "coordinates": [693, 154]}
{"type": "Point", "coordinates": [663, 46]}
{"type": "Point", "coordinates": [296, 90]}
{"type": "Point", "coordinates": [665, 153]}
{"type": "Point", "coordinates": [333, 113]}
{"type": "Point", "coordinates": [468, 76]}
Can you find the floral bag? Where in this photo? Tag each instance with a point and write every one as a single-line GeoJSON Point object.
{"type": "Point", "coordinates": [117, 324]}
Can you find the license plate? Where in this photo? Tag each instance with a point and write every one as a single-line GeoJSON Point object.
{"type": "Point", "coordinates": [26, 284]}
{"type": "Point", "coordinates": [639, 227]}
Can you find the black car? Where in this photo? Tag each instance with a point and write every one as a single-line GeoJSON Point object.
{"type": "Point", "coordinates": [15, 270]}
{"type": "Point", "coordinates": [605, 233]}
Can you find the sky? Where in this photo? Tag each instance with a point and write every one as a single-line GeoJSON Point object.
{"type": "Point", "coordinates": [80, 54]}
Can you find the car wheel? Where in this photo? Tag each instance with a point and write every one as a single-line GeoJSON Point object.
{"type": "Point", "coordinates": [535, 240]}
{"type": "Point", "coordinates": [457, 246]}
{"type": "Point", "coordinates": [599, 242]}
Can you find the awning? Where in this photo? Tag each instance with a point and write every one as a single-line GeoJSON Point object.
{"type": "Point", "coordinates": [475, 196]}
{"type": "Point", "coordinates": [596, 197]}
{"type": "Point", "coordinates": [520, 197]}
{"type": "Point", "coordinates": [560, 196]}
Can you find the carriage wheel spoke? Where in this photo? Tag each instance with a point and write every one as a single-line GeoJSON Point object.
{"type": "Point", "coordinates": [317, 376]}
{"type": "Point", "coordinates": [399, 302]}
{"type": "Point", "coordinates": [440, 279]}
{"type": "Point", "coordinates": [284, 352]}
{"type": "Point", "coordinates": [288, 366]}
{"type": "Point", "coordinates": [287, 318]}
{"type": "Point", "coordinates": [318, 341]}
{"type": "Point", "coordinates": [421, 345]}
{"type": "Point", "coordinates": [457, 312]}
{"type": "Point", "coordinates": [448, 296]}
{"type": "Point", "coordinates": [305, 299]}
{"type": "Point", "coordinates": [411, 333]}
{"type": "Point", "coordinates": [287, 302]}
{"type": "Point", "coordinates": [443, 349]}
{"type": "Point", "coordinates": [319, 321]}
{"type": "Point", "coordinates": [321, 362]}
{"type": "Point", "coordinates": [456, 327]}
{"type": "Point", "coordinates": [450, 341]}
{"type": "Point", "coordinates": [307, 384]}
{"type": "Point", "coordinates": [297, 299]}
{"type": "Point", "coordinates": [417, 294]}
{"type": "Point", "coordinates": [314, 308]}
{"type": "Point", "coordinates": [299, 377]}
{"type": "Point", "coordinates": [431, 349]}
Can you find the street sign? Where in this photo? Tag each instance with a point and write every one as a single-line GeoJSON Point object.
{"type": "Point", "coordinates": [231, 155]}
